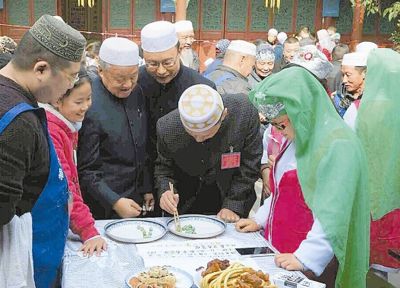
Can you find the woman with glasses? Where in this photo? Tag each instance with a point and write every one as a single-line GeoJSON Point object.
{"type": "Point", "coordinates": [310, 216]}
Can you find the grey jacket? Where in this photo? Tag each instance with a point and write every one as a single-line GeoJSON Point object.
{"type": "Point", "coordinates": [237, 84]}
{"type": "Point", "coordinates": [253, 79]}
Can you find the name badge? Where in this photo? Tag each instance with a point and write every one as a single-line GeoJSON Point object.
{"type": "Point", "coordinates": [230, 160]}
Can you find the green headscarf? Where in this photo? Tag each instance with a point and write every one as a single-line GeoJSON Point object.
{"type": "Point", "coordinates": [331, 167]}
{"type": "Point", "coordinates": [377, 126]}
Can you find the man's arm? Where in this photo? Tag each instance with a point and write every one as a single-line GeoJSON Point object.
{"type": "Point", "coordinates": [16, 155]}
{"type": "Point", "coordinates": [164, 166]}
{"type": "Point", "coordinates": [241, 195]}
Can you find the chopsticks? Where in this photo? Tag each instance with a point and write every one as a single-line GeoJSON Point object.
{"type": "Point", "coordinates": [177, 220]}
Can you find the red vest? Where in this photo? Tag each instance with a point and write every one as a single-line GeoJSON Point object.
{"type": "Point", "coordinates": [385, 235]}
{"type": "Point", "coordinates": [289, 219]}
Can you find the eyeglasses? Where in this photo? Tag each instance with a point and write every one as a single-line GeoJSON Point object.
{"type": "Point", "coordinates": [166, 64]}
{"type": "Point", "coordinates": [281, 126]}
{"type": "Point", "coordinates": [71, 79]}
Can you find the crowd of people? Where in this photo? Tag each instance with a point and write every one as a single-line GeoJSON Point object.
{"type": "Point", "coordinates": [100, 131]}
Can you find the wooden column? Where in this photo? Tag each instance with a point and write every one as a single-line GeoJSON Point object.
{"type": "Point", "coordinates": [358, 20]}
{"type": "Point", "coordinates": [180, 13]}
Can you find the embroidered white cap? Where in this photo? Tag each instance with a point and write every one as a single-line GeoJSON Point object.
{"type": "Point", "coordinates": [158, 36]}
{"type": "Point", "coordinates": [183, 26]}
{"type": "Point", "coordinates": [200, 108]}
{"type": "Point", "coordinates": [311, 58]}
{"type": "Point", "coordinates": [366, 47]}
{"type": "Point", "coordinates": [119, 51]}
{"type": "Point", "coordinates": [355, 59]}
{"type": "Point", "coordinates": [243, 47]}
{"type": "Point", "coordinates": [273, 31]}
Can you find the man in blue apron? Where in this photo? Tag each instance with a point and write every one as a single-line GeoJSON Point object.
{"type": "Point", "coordinates": [44, 66]}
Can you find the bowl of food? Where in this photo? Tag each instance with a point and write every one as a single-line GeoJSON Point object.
{"type": "Point", "coordinates": [159, 277]}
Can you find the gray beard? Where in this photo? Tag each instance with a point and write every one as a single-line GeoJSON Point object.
{"type": "Point", "coordinates": [187, 57]}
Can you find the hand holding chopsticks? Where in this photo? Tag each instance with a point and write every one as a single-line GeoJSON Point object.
{"type": "Point", "coordinates": [169, 201]}
{"type": "Point", "coordinates": [177, 221]}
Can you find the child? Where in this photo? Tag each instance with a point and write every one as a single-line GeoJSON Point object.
{"type": "Point", "coordinates": [64, 121]}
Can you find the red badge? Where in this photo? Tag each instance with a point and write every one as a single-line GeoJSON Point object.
{"type": "Point", "coordinates": [230, 160]}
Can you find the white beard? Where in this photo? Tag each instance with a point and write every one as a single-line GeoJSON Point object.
{"type": "Point", "coordinates": [187, 57]}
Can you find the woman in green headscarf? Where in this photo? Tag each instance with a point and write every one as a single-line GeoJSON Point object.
{"type": "Point", "coordinates": [331, 173]}
{"type": "Point", "coordinates": [376, 120]}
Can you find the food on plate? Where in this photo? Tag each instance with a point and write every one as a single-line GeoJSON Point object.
{"type": "Point", "coordinates": [189, 229]}
{"type": "Point", "coordinates": [220, 274]}
{"type": "Point", "coordinates": [215, 266]}
{"type": "Point", "coordinates": [156, 277]}
{"type": "Point", "coordinates": [144, 232]}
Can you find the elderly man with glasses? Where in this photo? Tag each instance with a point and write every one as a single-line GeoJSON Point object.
{"type": "Point", "coordinates": [163, 78]}
{"type": "Point", "coordinates": [112, 142]}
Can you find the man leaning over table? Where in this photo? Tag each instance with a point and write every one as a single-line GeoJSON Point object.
{"type": "Point", "coordinates": [210, 150]}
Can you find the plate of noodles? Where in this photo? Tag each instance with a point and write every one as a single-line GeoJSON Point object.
{"type": "Point", "coordinates": [222, 274]}
{"type": "Point", "coordinates": [159, 277]}
{"type": "Point", "coordinates": [197, 226]}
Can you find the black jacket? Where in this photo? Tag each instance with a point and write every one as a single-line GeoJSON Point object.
{"type": "Point", "coordinates": [163, 98]}
{"type": "Point", "coordinates": [112, 156]}
{"type": "Point", "coordinates": [24, 154]}
{"type": "Point", "coordinates": [189, 164]}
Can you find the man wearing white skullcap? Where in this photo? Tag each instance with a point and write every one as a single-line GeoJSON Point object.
{"type": "Point", "coordinates": [112, 155]}
{"type": "Point", "coordinates": [354, 66]}
{"type": "Point", "coordinates": [189, 58]}
{"type": "Point", "coordinates": [163, 78]}
{"type": "Point", "coordinates": [210, 149]}
{"type": "Point", "coordinates": [272, 36]}
{"type": "Point", "coordinates": [231, 76]}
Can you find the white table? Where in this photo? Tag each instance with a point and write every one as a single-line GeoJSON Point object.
{"type": "Point", "coordinates": [110, 269]}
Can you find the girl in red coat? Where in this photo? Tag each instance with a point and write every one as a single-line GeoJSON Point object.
{"type": "Point", "coordinates": [64, 121]}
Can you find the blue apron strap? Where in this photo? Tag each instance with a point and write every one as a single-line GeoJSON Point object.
{"type": "Point", "coordinates": [10, 115]}
{"type": "Point", "coordinates": [223, 78]}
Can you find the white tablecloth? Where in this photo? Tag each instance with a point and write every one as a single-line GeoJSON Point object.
{"type": "Point", "coordinates": [110, 269]}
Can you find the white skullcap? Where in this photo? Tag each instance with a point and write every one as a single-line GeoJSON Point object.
{"type": "Point", "coordinates": [282, 36]}
{"type": "Point", "coordinates": [183, 26]}
{"type": "Point", "coordinates": [119, 51]}
{"type": "Point", "coordinates": [273, 31]}
{"type": "Point", "coordinates": [243, 47]}
{"type": "Point", "coordinates": [208, 61]}
{"type": "Point", "coordinates": [355, 59]}
{"type": "Point", "coordinates": [322, 34]}
{"type": "Point", "coordinates": [365, 47]}
{"type": "Point", "coordinates": [158, 36]}
{"type": "Point", "coordinates": [200, 108]}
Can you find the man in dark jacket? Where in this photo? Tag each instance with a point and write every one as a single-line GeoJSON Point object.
{"type": "Point", "coordinates": [112, 154]}
{"type": "Point", "coordinates": [290, 48]}
{"type": "Point", "coordinates": [210, 149]}
{"type": "Point", "coordinates": [231, 76]}
{"type": "Point", "coordinates": [32, 183]}
{"type": "Point", "coordinates": [163, 78]}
